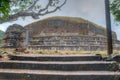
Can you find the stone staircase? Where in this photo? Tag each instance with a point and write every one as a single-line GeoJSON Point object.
{"type": "Point", "coordinates": [58, 67]}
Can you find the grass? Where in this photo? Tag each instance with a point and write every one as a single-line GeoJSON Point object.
{"type": "Point", "coordinates": [3, 52]}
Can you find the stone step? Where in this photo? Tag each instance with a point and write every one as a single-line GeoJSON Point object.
{"type": "Point", "coordinates": [17, 74]}
{"type": "Point", "coordinates": [33, 57]}
{"type": "Point", "coordinates": [60, 65]}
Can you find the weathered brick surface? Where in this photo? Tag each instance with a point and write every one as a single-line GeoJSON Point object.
{"type": "Point", "coordinates": [57, 58]}
{"type": "Point", "coordinates": [56, 75]}
{"type": "Point", "coordinates": [63, 66]}
{"type": "Point", "coordinates": [58, 67]}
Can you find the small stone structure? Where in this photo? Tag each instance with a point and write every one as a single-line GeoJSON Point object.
{"type": "Point", "coordinates": [14, 36]}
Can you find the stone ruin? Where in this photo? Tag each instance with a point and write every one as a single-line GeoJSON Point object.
{"type": "Point", "coordinates": [14, 36]}
{"type": "Point", "coordinates": [59, 33]}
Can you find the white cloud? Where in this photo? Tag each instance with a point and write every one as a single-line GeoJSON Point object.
{"type": "Point", "coordinates": [2, 28]}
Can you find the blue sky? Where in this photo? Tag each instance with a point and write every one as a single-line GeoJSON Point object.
{"type": "Point", "coordinates": [92, 10]}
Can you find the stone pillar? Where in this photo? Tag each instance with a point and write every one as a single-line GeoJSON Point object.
{"type": "Point", "coordinates": [27, 37]}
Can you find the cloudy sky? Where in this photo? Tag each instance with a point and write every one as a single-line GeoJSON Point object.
{"type": "Point", "coordinates": [92, 10]}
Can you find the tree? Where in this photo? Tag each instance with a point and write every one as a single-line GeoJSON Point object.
{"type": "Point", "coordinates": [11, 10]}
{"type": "Point", "coordinates": [115, 9]}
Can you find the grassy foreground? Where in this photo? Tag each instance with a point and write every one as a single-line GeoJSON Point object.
{"type": "Point", "coordinates": [3, 51]}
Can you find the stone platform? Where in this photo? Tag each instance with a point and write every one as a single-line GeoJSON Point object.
{"type": "Point", "coordinates": [58, 67]}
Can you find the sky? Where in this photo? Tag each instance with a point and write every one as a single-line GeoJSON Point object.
{"type": "Point", "coordinates": [92, 10]}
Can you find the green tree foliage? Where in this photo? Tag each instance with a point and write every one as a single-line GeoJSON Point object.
{"type": "Point", "coordinates": [4, 9]}
{"type": "Point", "coordinates": [1, 36]}
{"type": "Point", "coordinates": [115, 9]}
